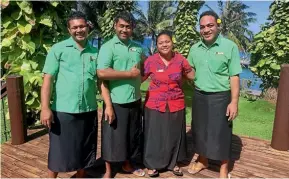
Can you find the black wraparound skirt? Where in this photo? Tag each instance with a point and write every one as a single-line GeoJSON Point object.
{"type": "Point", "coordinates": [72, 141]}
{"type": "Point", "coordinates": [122, 140]}
{"type": "Point", "coordinates": [164, 139]}
{"type": "Point", "coordinates": [212, 132]}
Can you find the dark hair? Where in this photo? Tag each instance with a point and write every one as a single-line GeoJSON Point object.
{"type": "Point", "coordinates": [209, 13]}
{"type": "Point", "coordinates": [165, 32]}
{"type": "Point", "coordinates": [76, 15]}
{"type": "Point", "coordinates": [126, 16]}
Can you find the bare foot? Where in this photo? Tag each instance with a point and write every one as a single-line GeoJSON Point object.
{"type": "Point", "coordinates": [127, 167]}
{"type": "Point", "coordinates": [223, 173]}
{"type": "Point", "coordinates": [107, 175]}
{"type": "Point", "coordinates": [197, 167]}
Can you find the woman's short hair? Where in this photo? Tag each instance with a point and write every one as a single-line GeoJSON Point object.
{"type": "Point", "coordinates": [165, 32]}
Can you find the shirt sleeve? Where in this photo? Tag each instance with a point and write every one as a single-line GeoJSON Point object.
{"type": "Point", "coordinates": [147, 69]}
{"type": "Point", "coordinates": [105, 56]}
{"type": "Point", "coordinates": [186, 68]}
{"type": "Point", "coordinates": [190, 57]}
{"type": "Point", "coordinates": [235, 62]}
{"type": "Point", "coordinates": [51, 65]}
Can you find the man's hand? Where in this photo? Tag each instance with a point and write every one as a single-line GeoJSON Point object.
{"type": "Point", "coordinates": [109, 115]}
{"type": "Point", "coordinates": [46, 117]}
{"type": "Point", "coordinates": [134, 72]}
{"type": "Point", "coordinates": [232, 111]}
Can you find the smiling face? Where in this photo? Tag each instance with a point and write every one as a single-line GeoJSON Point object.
{"type": "Point", "coordinates": [164, 45]}
{"type": "Point", "coordinates": [123, 29]}
{"type": "Point", "coordinates": [209, 29]}
{"type": "Point", "coordinates": [78, 29]}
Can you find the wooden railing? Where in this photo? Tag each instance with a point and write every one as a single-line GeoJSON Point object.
{"type": "Point", "coordinates": [13, 89]}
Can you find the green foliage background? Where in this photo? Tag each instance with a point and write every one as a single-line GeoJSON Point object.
{"type": "Point", "coordinates": [270, 47]}
{"type": "Point", "coordinates": [184, 25]}
{"type": "Point", "coordinates": [28, 30]}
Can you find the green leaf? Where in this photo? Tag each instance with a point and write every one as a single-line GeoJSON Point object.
{"type": "Point", "coordinates": [282, 43]}
{"type": "Point", "coordinates": [28, 28]}
{"type": "Point", "coordinates": [26, 38]}
{"type": "Point", "coordinates": [262, 72]}
{"type": "Point", "coordinates": [54, 3]}
{"type": "Point", "coordinates": [33, 64]}
{"type": "Point", "coordinates": [30, 102]}
{"type": "Point", "coordinates": [275, 66]}
{"type": "Point", "coordinates": [281, 37]}
{"type": "Point", "coordinates": [46, 20]}
{"type": "Point", "coordinates": [26, 67]}
{"type": "Point", "coordinates": [28, 45]}
{"type": "Point", "coordinates": [15, 55]}
{"type": "Point", "coordinates": [25, 6]}
{"type": "Point", "coordinates": [35, 94]}
{"type": "Point", "coordinates": [253, 69]}
{"type": "Point", "coordinates": [6, 21]}
{"type": "Point", "coordinates": [30, 18]}
{"type": "Point", "coordinates": [16, 14]}
{"type": "Point", "coordinates": [47, 47]}
{"type": "Point", "coordinates": [6, 42]}
{"type": "Point", "coordinates": [23, 27]}
{"type": "Point", "coordinates": [280, 53]}
{"type": "Point", "coordinates": [261, 62]}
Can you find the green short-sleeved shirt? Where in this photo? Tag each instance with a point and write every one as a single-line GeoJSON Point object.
{"type": "Point", "coordinates": [118, 56]}
{"type": "Point", "coordinates": [74, 89]}
{"type": "Point", "coordinates": [215, 65]}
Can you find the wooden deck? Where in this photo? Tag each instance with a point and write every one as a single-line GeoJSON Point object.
{"type": "Point", "coordinates": [254, 158]}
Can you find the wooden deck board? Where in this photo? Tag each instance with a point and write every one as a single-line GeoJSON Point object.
{"type": "Point", "coordinates": [254, 158]}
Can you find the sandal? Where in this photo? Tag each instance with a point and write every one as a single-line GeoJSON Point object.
{"type": "Point", "coordinates": [154, 174]}
{"type": "Point", "coordinates": [137, 172]}
{"type": "Point", "coordinates": [177, 171]}
{"type": "Point", "coordinates": [195, 169]}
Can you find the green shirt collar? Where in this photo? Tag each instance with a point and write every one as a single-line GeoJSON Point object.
{"type": "Point", "coordinates": [70, 42]}
{"type": "Point", "coordinates": [217, 42]}
{"type": "Point", "coordinates": [116, 40]}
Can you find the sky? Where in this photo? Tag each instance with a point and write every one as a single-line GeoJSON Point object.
{"type": "Point", "coordinates": [261, 8]}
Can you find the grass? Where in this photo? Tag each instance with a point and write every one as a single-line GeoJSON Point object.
{"type": "Point", "coordinates": [5, 122]}
{"type": "Point", "coordinates": [255, 118]}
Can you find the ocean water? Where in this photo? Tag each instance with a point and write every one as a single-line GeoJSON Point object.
{"type": "Point", "coordinates": [247, 74]}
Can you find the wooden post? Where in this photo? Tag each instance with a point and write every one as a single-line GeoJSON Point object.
{"type": "Point", "coordinates": [17, 111]}
{"type": "Point", "coordinates": [280, 137]}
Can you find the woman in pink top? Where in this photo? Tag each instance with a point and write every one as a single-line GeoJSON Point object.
{"type": "Point", "coordinates": [164, 116]}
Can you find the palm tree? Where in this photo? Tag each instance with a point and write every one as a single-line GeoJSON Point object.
{"type": "Point", "coordinates": [93, 10]}
{"type": "Point", "coordinates": [159, 17]}
{"type": "Point", "coordinates": [235, 22]}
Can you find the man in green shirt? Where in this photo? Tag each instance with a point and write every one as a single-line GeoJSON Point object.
{"type": "Point", "coordinates": [217, 66]}
{"type": "Point", "coordinates": [70, 80]}
{"type": "Point", "coordinates": [118, 63]}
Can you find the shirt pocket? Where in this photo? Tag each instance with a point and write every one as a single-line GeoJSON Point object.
{"type": "Point", "coordinates": [218, 63]}
{"type": "Point", "coordinates": [91, 67]}
{"type": "Point", "coordinates": [135, 57]}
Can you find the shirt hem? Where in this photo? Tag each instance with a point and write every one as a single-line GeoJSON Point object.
{"type": "Point", "coordinates": [125, 102]}
{"type": "Point", "coordinates": [179, 109]}
{"type": "Point", "coordinates": [74, 112]}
